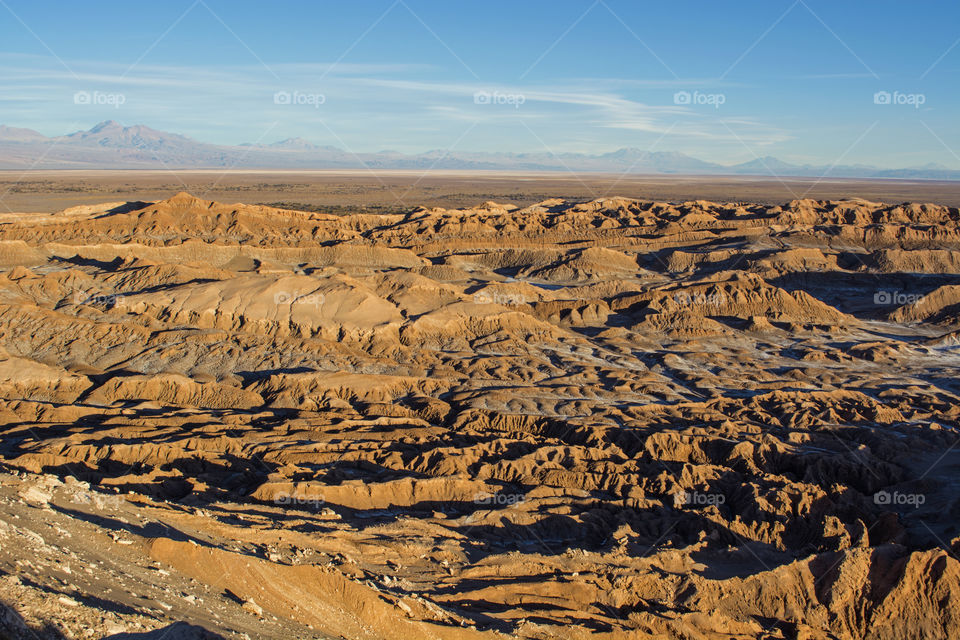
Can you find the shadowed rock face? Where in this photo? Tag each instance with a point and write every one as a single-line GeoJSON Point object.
{"type": "Point", "coordinates": [615, 418]}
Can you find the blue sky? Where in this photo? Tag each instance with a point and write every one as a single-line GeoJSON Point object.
{"type": "Point", "coordinates": [723, 81]}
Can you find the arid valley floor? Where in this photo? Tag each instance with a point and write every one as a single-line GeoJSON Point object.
{"type": "Point", "coordinates": [479, 408]}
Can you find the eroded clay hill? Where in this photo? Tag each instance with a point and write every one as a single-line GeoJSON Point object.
{"type": "Point", "coordinates": [617, 419]}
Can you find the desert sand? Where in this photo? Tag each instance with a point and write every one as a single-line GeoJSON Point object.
{"type": "Point", "coordinates": [571, 418]}
{"type": "Point", "coordinates": [385, 190]}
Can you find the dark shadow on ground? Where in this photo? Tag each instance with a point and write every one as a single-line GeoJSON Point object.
{"type": "Point", "coordinates": [176, 631]}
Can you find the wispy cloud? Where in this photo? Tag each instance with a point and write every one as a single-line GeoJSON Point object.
{"type": "Point", "coordinates": [374, 100]}
{"type": "Point", "coordinates": [412, 108]}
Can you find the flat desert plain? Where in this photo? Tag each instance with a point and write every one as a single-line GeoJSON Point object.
{"type": "Point", "coordinates": [380, 189]}
{"type": "Point", "coordinates": [259, 405]}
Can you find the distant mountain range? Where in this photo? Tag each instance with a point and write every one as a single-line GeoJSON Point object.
{"type": "Point", "coordinates": [110, 145]}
